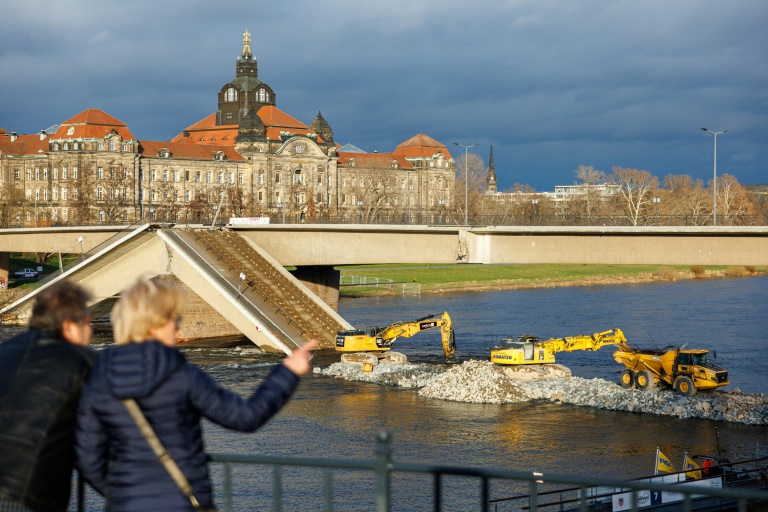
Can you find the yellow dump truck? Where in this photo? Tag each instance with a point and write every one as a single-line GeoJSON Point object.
{"type": "Point", "coordinates": [685, 371]}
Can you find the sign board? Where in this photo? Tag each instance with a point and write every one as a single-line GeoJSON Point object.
{"type": "Point", "coordinates": [623, 501]}
{"type": "Point", "coordinates": [248, 220]}
{"type": "Point", "coordinates": [39, 269]}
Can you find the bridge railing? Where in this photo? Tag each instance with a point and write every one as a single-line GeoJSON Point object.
{"type": "Point", "coordinates": [436, 487]}
{"type": "Point", "coordinates": [86, 255]}
{"type": "Point", "coordinates": [432, 219]}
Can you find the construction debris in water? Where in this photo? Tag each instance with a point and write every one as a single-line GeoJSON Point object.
{"type": "Point", "coordinates": [477, 381]}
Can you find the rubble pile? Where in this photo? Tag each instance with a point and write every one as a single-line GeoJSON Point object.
{"type": "Point", "coordinates": [483, 382]}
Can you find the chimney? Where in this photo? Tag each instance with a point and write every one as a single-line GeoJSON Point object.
{"type": "Point", "coordinates": [14, 136]}
{"type": "Point", "coordinates": [186, 134]}
{"type": "Point", "coordinates": [43, 134]}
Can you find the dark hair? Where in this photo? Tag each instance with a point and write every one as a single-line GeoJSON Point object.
{"type": "Point", "coordinates": [61, 302]}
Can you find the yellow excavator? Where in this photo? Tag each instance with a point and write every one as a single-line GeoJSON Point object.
{"type": "Point", "coordinates": [361, 347]}
{"type": "Point", "coordinates": [531, 350]}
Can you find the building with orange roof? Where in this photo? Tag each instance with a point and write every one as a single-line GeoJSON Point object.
{"type": "Point", "coordinates": [91, 168]}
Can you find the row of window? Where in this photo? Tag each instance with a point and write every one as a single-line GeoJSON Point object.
{"type": "Point", "coordinates": [261, 95]}
{"type": "Point", "coordinates": [436, 182]}
{"type": "Point", "coordinates": [80, 145]}
{"type": "Point", "coordinates": [197, 177]}
{"type": "Point", "coordinates": [37, 175]}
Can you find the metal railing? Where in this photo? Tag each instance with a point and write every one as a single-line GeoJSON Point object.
{"type": "Point", "coordinates": [432, 219]}
{"type": "Point", "coordinates": [435, 219]}
{"type": "Point", "coordinates": [84, 256]}
{"type": "Point", "coordinates": [589, 491]}
{"type": "Point", "coordinates": [585, 493]}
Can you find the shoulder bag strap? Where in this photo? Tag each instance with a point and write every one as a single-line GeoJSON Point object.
{"type": "Point", "coordinates": [162, 454]}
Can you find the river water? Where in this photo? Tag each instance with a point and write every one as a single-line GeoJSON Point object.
{"type": "Point", "coordinates": [329, 418]}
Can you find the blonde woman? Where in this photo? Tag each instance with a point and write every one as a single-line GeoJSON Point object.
{"type": "Point", "coordinates": [112, 455]}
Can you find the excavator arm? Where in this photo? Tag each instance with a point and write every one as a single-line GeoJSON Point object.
{"type": "Point", "coordinates": [408, 329]}
{"type": "Point", "coordinates": [585, 342]}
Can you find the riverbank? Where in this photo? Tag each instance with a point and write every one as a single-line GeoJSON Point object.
{"type": "Point", "coordinates": [367, 281]}
{"type": "Point", "coordinates": [483, 382]}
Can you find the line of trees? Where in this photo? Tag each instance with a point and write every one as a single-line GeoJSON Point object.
{"type": "Point", "coordinates": [625, 196]}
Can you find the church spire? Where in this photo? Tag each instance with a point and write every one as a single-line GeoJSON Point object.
{"type": "Point", "coordinates": [246, 55]}
{"type": "Point", "coordinates": [491, 187]}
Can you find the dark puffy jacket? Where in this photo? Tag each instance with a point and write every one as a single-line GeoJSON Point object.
{"type": "Point", "coordinates": [173, 394]}
{"type": "Point", "coordinates": [41, 377]}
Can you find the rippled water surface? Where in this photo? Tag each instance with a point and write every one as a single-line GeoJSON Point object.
{"type": "Point", "coordinates": [336, 419]}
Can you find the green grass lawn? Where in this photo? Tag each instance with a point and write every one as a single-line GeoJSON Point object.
{"type": "Point", "coordinates": [433, 277]}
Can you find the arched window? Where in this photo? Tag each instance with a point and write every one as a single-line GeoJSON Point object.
{"type": "Point", "coordinates": [231, 94]}
{"type": "Point", "coordinates": [262, 95]}
{"type": "Point", "coordinates": [298, 178]}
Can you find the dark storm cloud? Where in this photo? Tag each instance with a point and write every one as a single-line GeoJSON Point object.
{"type": "Point", "coordinates": [550, 83]}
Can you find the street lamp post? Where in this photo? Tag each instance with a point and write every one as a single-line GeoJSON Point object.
{"type": "Point", "coordinates": [656, 203]}
{"type": "Point", "coordinates": [534, 202]}
{"type": "Point", "coordinates": [466, 180]}
{"type": "Point", "coordinates": [714, 179]}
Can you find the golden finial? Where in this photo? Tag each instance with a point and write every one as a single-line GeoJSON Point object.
{"type": "Point", "coordinates": [247, 45]}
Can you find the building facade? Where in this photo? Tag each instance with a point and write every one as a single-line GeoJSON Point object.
{"type": "Point", "coordinates": [249, 158]}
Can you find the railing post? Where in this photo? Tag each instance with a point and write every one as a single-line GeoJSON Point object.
{"type": "Point", "coordinates": [382, 465]}
{"type": "Point", "coordinates": [227, 487]}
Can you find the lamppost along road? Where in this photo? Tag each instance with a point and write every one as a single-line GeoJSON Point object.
{"type": "Point", "coordinates": [714, 180]}
{"type": "Point", "coordinates": [466, 180]}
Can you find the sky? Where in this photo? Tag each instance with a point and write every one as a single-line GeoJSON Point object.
{"type": "Point", "coordinates": [550, 84]}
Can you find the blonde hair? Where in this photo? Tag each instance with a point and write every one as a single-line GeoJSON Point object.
{"type": "Point", "coordinates": [146, 304]}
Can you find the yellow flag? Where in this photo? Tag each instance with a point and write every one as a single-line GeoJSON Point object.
{"type": "Point", "coordinates": [691, 464]}
{"type": "Point", "coordinates": [663, 463]}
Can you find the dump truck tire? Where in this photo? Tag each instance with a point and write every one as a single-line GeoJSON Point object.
{"type": "Point", "coordinates": [644, 380]}
{"type": "Point", "coordinates": [627, 379]}
{"type": "Point", "coordinates": [684, 386]}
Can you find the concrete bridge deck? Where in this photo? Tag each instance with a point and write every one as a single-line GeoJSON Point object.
{"type": "Point", "coordinates": [277, 311]}
{"type": "Point", "coordinates": [350, 244]}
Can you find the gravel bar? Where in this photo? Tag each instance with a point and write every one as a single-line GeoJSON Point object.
{"type": "Point", "coordinates": [483, 382]}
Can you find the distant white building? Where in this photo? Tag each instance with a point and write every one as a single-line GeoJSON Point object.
{"type": "Point", "coordinates": [567, 192]}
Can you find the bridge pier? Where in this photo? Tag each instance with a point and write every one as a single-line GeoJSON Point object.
{"type": "Point", "coordinates": [323, 281]}
{"type": "Point", "coordinates": [200, 319]}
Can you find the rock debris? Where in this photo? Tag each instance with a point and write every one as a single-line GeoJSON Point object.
{"type": "Point", "coordinates": [477, 381]}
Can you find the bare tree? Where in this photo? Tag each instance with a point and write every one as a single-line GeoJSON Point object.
{"type": "Point", "coordinates": [167, 201]}
{"type": "Point", "coordinates": [589, 177]}
{"type": "Point", "coordinates": [732, 198]}
{"type": "Point", "coordinates": [199, 209]}
{"type": "Point", "coordinates": [375, 186]}
{"type": "Point", "coordinates": [237, 201]}
{"type": "Point", "coordinates": [686, 198]}
{"type": "Point", "coordinates": [635, 187]}
{"type": "Point", "coordinates": [83, 195]}
{"type": "Point", "coordinates": [11, 205]}
{"type": "Point", "coordinates": [116, 196]}
{"type": "Point", "coordinates": [469, 184]}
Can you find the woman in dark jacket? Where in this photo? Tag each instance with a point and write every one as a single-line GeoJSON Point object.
{"type": "Point", "coordinates": [112, 454]}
